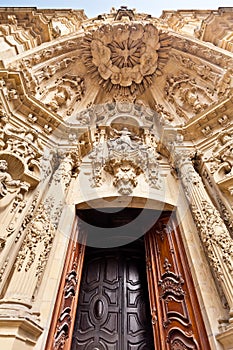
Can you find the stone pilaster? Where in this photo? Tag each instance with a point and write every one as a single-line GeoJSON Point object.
{"type": "Point", "coordinates": [33, 256]}
{"type": "Point", "coordinates": [213, 232]}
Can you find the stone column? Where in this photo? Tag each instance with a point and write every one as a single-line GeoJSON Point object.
{"type": "Point", "coordinates": [213, 232]}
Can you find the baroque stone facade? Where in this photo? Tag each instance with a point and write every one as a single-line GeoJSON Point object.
{"type": "Point", "coordinates": [122, 110]}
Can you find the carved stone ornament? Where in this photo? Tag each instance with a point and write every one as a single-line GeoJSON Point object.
{"type": "Point", "coordinates": [7, 184]}
{"type": "Point", "coordinates": [64, 94]}
{"type": "Point", "coordinates": [214, 233]}
{"type": "Point", "coordinates": [125, 157]}
{"type": "Point", "coordinates": [101, 113]}
{"type": "Point", "coordinates": [22, 149]}
{"type": "Point", "coordinates": [125, 174]}
{"type": "Point", "coordinates": [205, 71]}
{"type": "Point", "coordinates": [188, 97]}
{"type": "Point", "coordinates": [221, 159]}
{"type": "Point", "coordinates": [124, 55]}
{"type": "Point", "coordinates": [40, 233]}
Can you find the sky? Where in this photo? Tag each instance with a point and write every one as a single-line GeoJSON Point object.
{"type": "Point", "coordinates": [95, 7]}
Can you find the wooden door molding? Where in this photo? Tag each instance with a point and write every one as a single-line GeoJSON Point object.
{"type": "Point", "coordinates": [61, 329]}
{"type": "Point", "coordinates": [176, 315]}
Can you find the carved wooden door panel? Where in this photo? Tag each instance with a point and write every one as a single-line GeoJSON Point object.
{"type": "Point", "coordinates": [113, 311]}
{"type": "Point", "coordinates": [176, 316]}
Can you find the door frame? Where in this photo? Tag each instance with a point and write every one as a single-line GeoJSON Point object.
{"type": "Point", "coordinates": [62, 324]}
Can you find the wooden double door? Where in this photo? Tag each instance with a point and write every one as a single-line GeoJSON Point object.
{"type": "Point", "coordinates": [140, 296]}
{"type": "Point", "coordinates": [113, 311]}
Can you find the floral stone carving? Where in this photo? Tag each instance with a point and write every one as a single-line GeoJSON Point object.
{"type": "Point", "coordinates": [221, 161]}
{"type": "Point", "coordinates": [124, 55]}
{"type": "Point", "coordinates": [222, 154]}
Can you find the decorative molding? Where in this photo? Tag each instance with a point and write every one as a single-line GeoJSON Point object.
{"type": "Point", "coordinates": [40, 233]}
{"type": "Point", "coordinates": [197, 48]}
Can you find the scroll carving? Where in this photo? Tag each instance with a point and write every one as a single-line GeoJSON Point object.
{"type": "Point", "coordinates": [66, 304]}
{"type": "Point", "coordinates": [64, 319]}
{"type": "Point", "coordinates": [172, 292]}
{"type": "Point", "coordinates": [180, 341]}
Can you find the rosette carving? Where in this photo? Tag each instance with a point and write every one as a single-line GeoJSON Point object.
{"type": "Point", "coordinates": [125, 55]}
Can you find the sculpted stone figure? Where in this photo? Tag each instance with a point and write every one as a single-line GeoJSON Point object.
{"type": "Point", "coordinates": [6, 179]}
{"type": "Point", "coordinates": [190, 96]}
{"type": "Point", "coordinates": [124, 141]}
{"type": "Point", "coordinates": [222, 154]}
{"type": "Point", "coordinates": [59, 99]}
